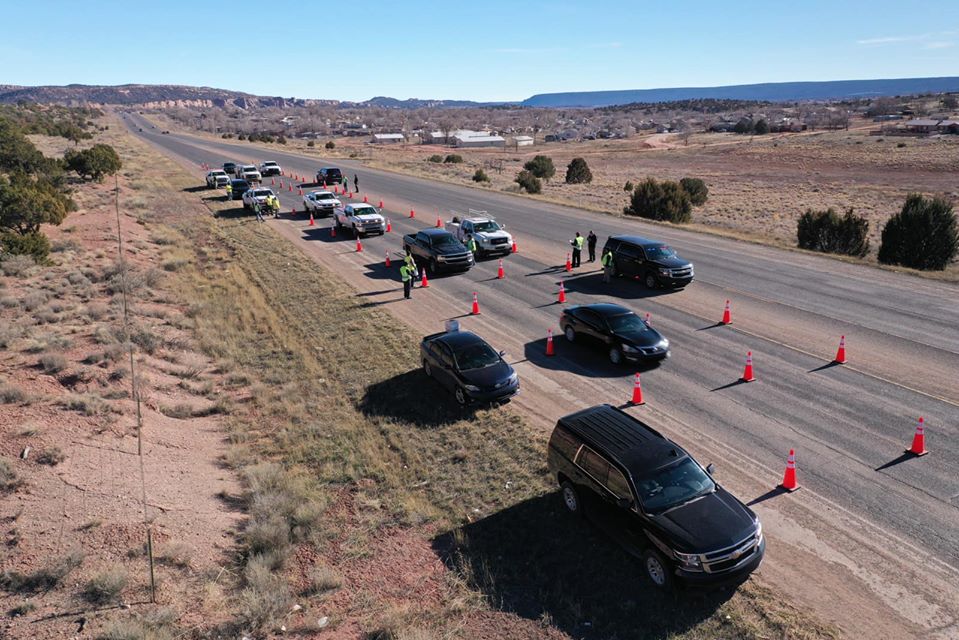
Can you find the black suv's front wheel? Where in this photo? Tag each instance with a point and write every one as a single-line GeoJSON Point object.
{"type": "Point", "coordinates": [651, 281]}
{"type": "Point", "coordinates": [571, 498]}
{"type": "Point", "coordinates": [657, 569]}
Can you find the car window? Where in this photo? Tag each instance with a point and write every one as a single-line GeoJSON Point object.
{"type": "Point", "coordinates": [659, 253]}
{"type": "Point", "coordinates": [591, 317]}
{"type": "Point", "coordinates": [440, 240]}
{"type": "Point", "coordinates": [629, 251]}
{"type": "Point", "coordinates": [593, 464]}
{"type": "Point", "coordinates": [627, 322]}
{"type": "Point", "coordinates": [673, 486]}
{"type": "Point", "coordinates": [443, 353]}
{"type": "Point", "coordinates": [476, 356]}
{"type": "Point", "coordinates": [489, 225]}
{"type": "Point", "coordinates": [616, 483]}
{"type": "Point", "coordinates": [565, 442]}
{"type": "Point", "coordinates": [422, 237]}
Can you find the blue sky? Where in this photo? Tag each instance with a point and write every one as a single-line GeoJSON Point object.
{"type": "Point", "coordinates": [496, 50]}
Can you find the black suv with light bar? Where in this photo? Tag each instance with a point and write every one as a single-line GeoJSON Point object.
{"type": "Point", "coordinates": [651, 496]}
{"type": "Point", "coordinates": [652, 261]}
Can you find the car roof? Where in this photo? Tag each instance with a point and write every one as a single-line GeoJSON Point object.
{"type": "Point", "coordinates": [269, 162]}
{"type": "Point", "coordinates": [631, 443]}
{"type": "Point", "coordinates": [456, 339]}
{"type": "Point", "coordinates": [639, 240]}
{"type": "Point", "coordinates": [605, 309]}
{"type": "Point", "coordinates": [320, 192]}
{"type": "Point", "coordinates": [329, 169]}
{"type": "Point", "coordinates": [235, 180]}
{"type": "Point", "coordinates": [435, 232]}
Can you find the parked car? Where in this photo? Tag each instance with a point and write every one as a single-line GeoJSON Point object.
{"type": "Point", "coordinates": [270, 168]}
{"type": "Point", "coordinates": [466, 365]}
{"type": "Point", "coordinates": [216, 179]}
{"type": "Point", "coordinates": [238, 188]}
{"type": "Point", "coordinates": [651, 261]}
{"type": "Point", "coordinates": [329, 175]}
{"type": "Point", "coordinates": [616, 329]}
{"type": "Point", "coordinates": [321, 202]}
{"type": "Point", "coordinates": [361, 219]}
{"type": "Point", "coordinates": [249, 173]}
{"type": "Point", "coordinates": [438, 250]}
{"type": "Point", "coordinates": [654, 498]}
{"type": "Point", "coordinates": [230, 168]}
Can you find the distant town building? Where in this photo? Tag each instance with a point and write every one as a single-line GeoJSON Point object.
{"type": "Point", "coordinates": [465, 141]}
{"type": "Point", "coordinates": [388, 138]}
{"type": "Point", "coordinates": [921, 125]}
{"type": "Point", "coordinates": [523, 141]}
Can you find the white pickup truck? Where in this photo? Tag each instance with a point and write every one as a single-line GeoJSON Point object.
{"type": "Point", "coordinates": [489, 235]}
{"type": "Point", "coordinates": [362, 219]}
{"type": "Point", "coordinates": [216, 179]}
{"type": "Point", "coordinates": [321, 202]}
{"type": "Point", "coordinates": [256, 196]}
{"type": "Point", "coordinates": [270, 168]}
{"type": "Point", "coordinates": [250, 173]}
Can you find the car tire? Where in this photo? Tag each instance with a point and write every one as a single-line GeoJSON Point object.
{"type": "Point", "coordinates": [461, 398]}
{"type": "Point", "coordinates": [657, 569]}
{"type": "Point", "coordinates": [433, 267]}
{"type": "Point", "coordinates": [571, 498]}
{"type": "Point", "coordinates": [427, 369]}
{"type": "Point", "coordinates": [570, 333]}
{"type": "Point", "coordinates": [616, 354]}
{"type": "Point", "coordinates": [650, 280]}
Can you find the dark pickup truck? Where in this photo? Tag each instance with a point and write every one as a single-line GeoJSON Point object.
{"type": "Point", "coordinates": [438, 250]}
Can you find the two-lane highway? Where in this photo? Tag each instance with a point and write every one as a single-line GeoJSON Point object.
{"type": "Point", "coordinates": [896, 524]}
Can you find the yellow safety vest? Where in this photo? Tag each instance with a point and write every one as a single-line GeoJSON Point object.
{"type": "Point", "coordinates": [607, 258]}
{"type": "Point", "coordinates": [406, 273]}
{"type": "Point", "coordinates": [579, 242]}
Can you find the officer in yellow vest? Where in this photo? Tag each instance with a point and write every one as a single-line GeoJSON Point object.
{"type": "Point", "coordinates": [229, 191]}
{"type": "Point", "coordinates": [607, 262]}
{"type": "Point", "coordinates": [406, 273]}
{"type": "Point", "coordinates": [471, 244]}
{"type": "Point", "coordinates": [577, 243]}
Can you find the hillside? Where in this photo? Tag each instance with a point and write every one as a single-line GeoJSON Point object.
{"type": "Point", "coordinates": [771, 92]}
{"type": "Point", "coordinates": [146, 95]}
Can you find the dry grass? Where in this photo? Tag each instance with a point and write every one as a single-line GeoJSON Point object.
{"type": "Point", "coordinates": [9, 479]}
{"type": "Point", "coordinates": [105, 587]}
{"type": "Point", "coordinates": [43, 579]}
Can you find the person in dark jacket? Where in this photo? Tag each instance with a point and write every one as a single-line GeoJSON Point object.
{"type": "Point", "coordinates": [356, 183]}
{"type": "Point", "coordinates": [591, 245]}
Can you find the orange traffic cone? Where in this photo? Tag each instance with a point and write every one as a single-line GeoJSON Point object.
{"type": "Point", "coordinates": [514, 246]}
{"type": "Point", "coordinates": [475, 311]}
{"type": "Point", "coordinates": [381, 204]}
{"type": "Point", "coordinates": [336, 190]}
{"type": "Point", "coordinates": [841, 353]}
{"type": "Point", "coordinates": [387, 259]}
{"type": "Point", "coordinates": [748, 372]}
{"type": "Point", "coordinates": [424, 282]}
{"type": "Point", "coordinates": [365, 200]}
{"type": "Point", "coordinates": [273, 182]}
{"type": "Point", "coordinates": [562, 293]}
{"type": "Point", "coordinates": [789, 478]}
{"type": "Point", "coordinates": [349, 194]}
{"type": "Point", "coordinates": [500, 274]}
{"type": "Point", "coordinates": [301, 191]}
{"type": "Point", "coordinates": [412, 213]}
{"type": "Point", "coordinates": [549, 343]}
{"type": "Point", "coordinates": [569, 263]}
{"type": "Point", "coordinates": [648, 319]}
{"type": "Point", "coordinates": [389, 225]}
{"type": "Point", "coordinates": [311, 220]}
{"type": "Point", "coordinates": [918, 447]}
{"type": "Point", "coordinates": [293, 209]}
{"type": "Point", "coordinates": [439, 223]}
{"type": "Point", "coordinates": [359, 245]}
{"type": "Point", "coordinates": [637, 393]}
{"type": "Point", "coordinates": [333, 231]}
{"type": "Point", "coordinates": [727, 316]}
{"type": "Point", "coordinates": [289, 186]}
{"type": "Point", "coordinates": [281, 184]}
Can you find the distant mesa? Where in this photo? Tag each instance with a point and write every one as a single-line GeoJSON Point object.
{"type": "Point", "coordinates": [766, 92]}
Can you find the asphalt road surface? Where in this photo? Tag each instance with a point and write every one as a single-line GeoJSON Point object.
{"type": "Point", "coordinates": [890, 521]}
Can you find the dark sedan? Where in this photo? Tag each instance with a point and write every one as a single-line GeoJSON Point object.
{"type": "Point", "coordinates": [616, 329]}
{"type": "Point", "coordinates": [466, 365]}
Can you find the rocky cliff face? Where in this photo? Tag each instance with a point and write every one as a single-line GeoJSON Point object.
{"type": "Point", "coordinates": [147, 96]}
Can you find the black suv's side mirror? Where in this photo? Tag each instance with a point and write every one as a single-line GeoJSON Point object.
{"type": "Point", "coordinates": [710, 468]}
{"type": "Point", "coordinates": [624, 503]}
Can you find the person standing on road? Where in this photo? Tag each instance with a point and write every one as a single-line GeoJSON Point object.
{"type": "Point", "coordinates": [607, 262]}
{"type": "Point", "coordinates": [356, 183]}
{"type": "Point", "coordinates": [471, 244]}
{"type": "Point", "coordinates": [229, 191]}
{"type": "Point", "coordinates": [577, 244]}
{"type": "Point", "coordinates": [410, 263]}
{"type": "Point", "coordinates": [406, 273]}
{"type": "Point", "coordinates": [346, 184]}
{"type": "Point", "coordinates": [259, 211]}
{"type": "Point", "coordinates": [591, 244]}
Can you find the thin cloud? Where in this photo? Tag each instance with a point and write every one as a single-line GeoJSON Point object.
{"type": "Point", "coordinates": [523, 51]}
{"type": "Point", "coordinates": [890, 40]}
{"type": "Point", "coordinates": [921, 37]}
{"type": "Point", "coordinates": [938, 45]}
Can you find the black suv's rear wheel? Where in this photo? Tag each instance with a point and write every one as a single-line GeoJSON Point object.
{"type": "Point", "coordinates": [571, 498]}
{"type": "Point", "coordinates": [461, 397]}
{"type": "Point", "coordinates": [657, 569]}
{"type": "Point", "coordinates": [570, 333]}
{"type": "Point", "coordinates": [651, 281]}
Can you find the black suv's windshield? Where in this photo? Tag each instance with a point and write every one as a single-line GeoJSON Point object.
{"type": "Point", "coordinates": [673, 486]}
{"type": "Point", "coordinates": [658, 253]}
{"type": "Point", "coordinates": [476, 356]}
{"type": "Point", "coordinates": [626, 322]}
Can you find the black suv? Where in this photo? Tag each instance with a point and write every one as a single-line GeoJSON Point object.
{"type": "Point", "coordinates": [238, 188]}
{"type": "Point", "coordinates": [329, 175]}
{"type": "Point", "coordinates": [651, 496]}
{"type": "Point", "coordinates": [653, 262]}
